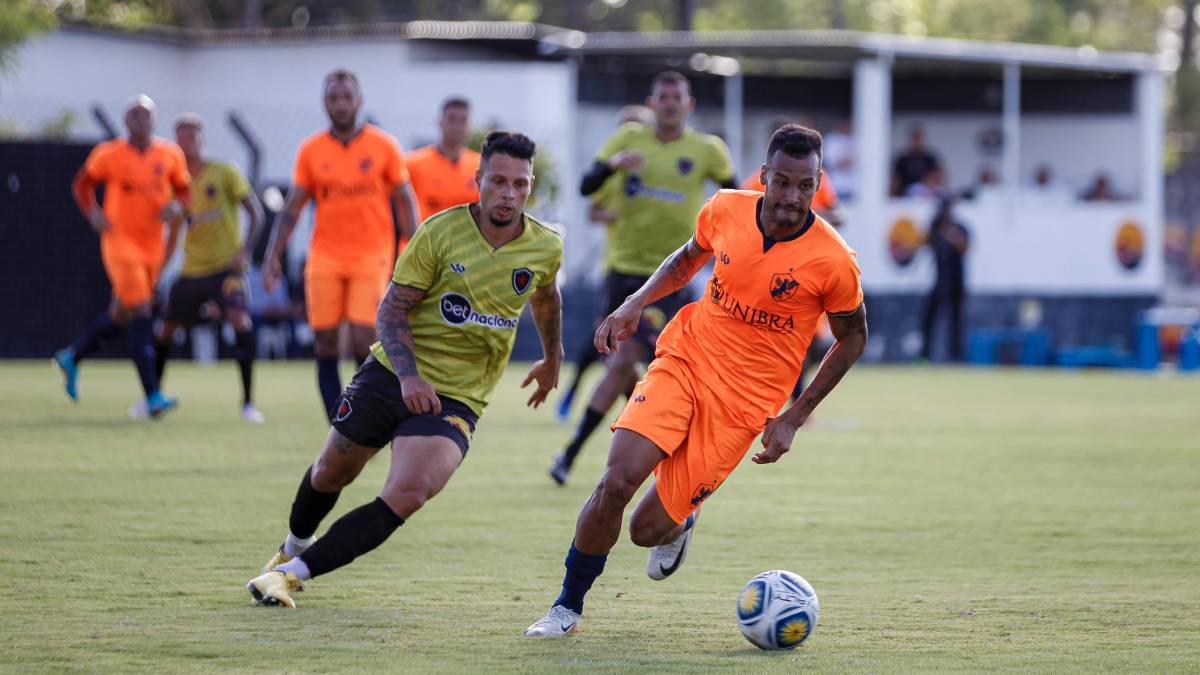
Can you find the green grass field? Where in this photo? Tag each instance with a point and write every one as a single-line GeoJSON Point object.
{"type": "Point", "coordinates": [949, 520]}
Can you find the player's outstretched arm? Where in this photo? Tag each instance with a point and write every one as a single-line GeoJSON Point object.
{"type": "Point", "coordinates": [546, 307]}
{"type": "Point", "coordinates": [406, 210]}
{"type": "Point", "coordinates": [84, 190]}
{"type": "Point", "coordinates": [395, 334]}
{"type": "Point", "coordinates": [673, 274]}
{"type": "Point", "coordinates": [284, 225]}
{"type": "Point", "coordinates": [850, 333]}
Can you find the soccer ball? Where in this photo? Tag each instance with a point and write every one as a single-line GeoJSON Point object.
{"type": "Point", "coordinates": [778, 610]}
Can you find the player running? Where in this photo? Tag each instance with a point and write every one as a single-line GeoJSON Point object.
{"type": "Point", "coordinates": [446, 328]}
{"type": "Point", "coordinates": [214, 257]}
{"type": "Point", "coordinates": [443, 174]}
{"type": "Point", "coordinates": [724, 365]}
{"type": "Point", "coordinates": [145, 183]}
{"type": "Point", "coordinates": [664, 170]}
{"type": "Point", "coordinates": [354, 172]}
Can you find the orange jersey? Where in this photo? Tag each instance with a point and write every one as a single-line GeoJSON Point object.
{"type": "Point", "coordinates": [137, 185]}
{"type": "Point", "coordinates": [825, 199]}
{"type": "Point", "coordinates": [352, 184]}
{"type": "Point", "coordinates": [747, 337]}
{"type": "Point", "coordinates": [441, 182]}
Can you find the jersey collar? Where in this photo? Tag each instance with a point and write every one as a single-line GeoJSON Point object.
{"type": "Point", "coordinates": [769, 241]}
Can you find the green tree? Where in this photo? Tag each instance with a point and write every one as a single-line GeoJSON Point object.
{"type": "Point", "coordinates": [18, 20]}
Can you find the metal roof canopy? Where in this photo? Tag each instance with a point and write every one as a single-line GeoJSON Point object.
{"type": "Point", "coordinates": [847, 46]}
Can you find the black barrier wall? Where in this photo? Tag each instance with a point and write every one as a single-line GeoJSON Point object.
{"type": "Point", "coordinates": [51, 280]}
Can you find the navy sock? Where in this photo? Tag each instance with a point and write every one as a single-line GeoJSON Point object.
{"type": "Point", "coordinates": [244, 352]}
{"type": "Point", "coordinates": [329, 382]}
{"type": "Point", "coordinates": [161, 351]}
{"type": "Point", "coordinates": [359, 531]}
{"type": "Point", "coordinates": [591, 420]}
{"type": "Point", "coordinates": [141, 350]}
{"type": "Point", "coordinates": [584, 360]}
{"type": "Point", "coordinates": [101, 328]}
{"type": "Point", "coordinates": [582, 570]}
{"type": "Point", "coordinates": [310, 507]}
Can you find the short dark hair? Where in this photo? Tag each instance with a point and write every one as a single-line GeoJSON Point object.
{"type": "Point", "coordinates": [795, 141]}
{"type": "Point", "coordinates": [340, 75]}
{"type": "Point", "coordinates": [671, 77]}
{"type": "Point", "coordinates": [510, 143]}
{"type": "Point", "coordinates": [455, 102]}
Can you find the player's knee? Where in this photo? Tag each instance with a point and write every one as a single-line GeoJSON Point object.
{"type": "Point", "coordinates": [615, 488]}
{"type": "Point", "coordinates": [325, 346]}
{"type": "Point", "coordinates": [329, 477]}
{"type": "Point", "coordinates": [404, 500]}
{"type": "Point", "coordinates": [646, 532]}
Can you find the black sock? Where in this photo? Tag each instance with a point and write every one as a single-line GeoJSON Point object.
{"type": "Point", "coordinates": [582, 570]}
{"type": "Point", "coordinates": [329, 382]}
{"type": "Point", "coordinates": [359, 531]}
{"type": "Point", "coordinates": [309, 508]}
{"type": "Point", "coordinates": [244, 353]}
{"type": "Point", "coordinates": [161, 350]}
{"type": "Point", "coordinates": [101, 328]}
{"type": "Point", "coordinates": [591, 420]}
{"type": "Point", "coordinates": [141, 350]}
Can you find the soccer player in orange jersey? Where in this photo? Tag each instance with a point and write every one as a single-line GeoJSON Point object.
{"type": "Point", "coordinates": [145, 183]}
{"type": "Point", "coordinates": [443, 174]}
{"type": "Point", "coordinates": [724, 365]}
{"type": "Point", "coordinates": [354, 172]}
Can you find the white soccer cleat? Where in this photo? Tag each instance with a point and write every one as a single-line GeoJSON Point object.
{"type": "Point", "coordinates": [667, 558]}
{"type": "Point", "coordinates": [252, 414]}
{"type": "Point", "coordinates": [558, 622]}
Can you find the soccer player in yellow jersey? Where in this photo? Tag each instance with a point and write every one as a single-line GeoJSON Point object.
{"type": "Point", "coordinates": [664, 170]}
{"type": "Point", "coordinates": [446, 329]}
{"type": "Point", "coordinates": [214, 256]}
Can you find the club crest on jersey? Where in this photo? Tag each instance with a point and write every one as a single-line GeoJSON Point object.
{"type": "Point", "coordinates": [365, 164]}
{"type": "Point", "coordinates": [159, 170]}
{"type": "Point", "coordinates": [210, 190]}
{"type": "Point", "coordinates": [783, 287]}
{"type": "Point", "coordinates": [521, 279]}
{"type": "Point", "coordinates": [685, 165]}
{"type": "Point", "coordinates": [343, 410]}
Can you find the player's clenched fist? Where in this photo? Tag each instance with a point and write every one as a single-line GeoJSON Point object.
{"type": "Point", "coordinates": [627, 160]}
{"type": "Point", "coordinates": [419, 395]}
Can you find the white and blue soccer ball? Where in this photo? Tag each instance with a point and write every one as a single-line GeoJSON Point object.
{"type": "Point", "coordinates": [778, 610]}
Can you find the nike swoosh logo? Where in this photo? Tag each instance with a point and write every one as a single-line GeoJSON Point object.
{"type": "Point", "coordinates": [566, 627]}
{"type": "Point", "coordinates": [668, 571]}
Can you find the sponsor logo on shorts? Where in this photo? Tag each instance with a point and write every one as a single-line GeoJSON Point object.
{"type": "Point", "coordinates": [343, 410]}
{"type": "Point", "coordinates": [521, 278]}
{"type": "Point", "coordinates": [456, 310]}
{"type": "Point", "coordinates": [639, 399]}
{"type": "Point", "coordinates": [724, 258]}
{"type": "Point", "coordinates": [458, 423]}
{"type": "Point", "coordinates": [704, 491]}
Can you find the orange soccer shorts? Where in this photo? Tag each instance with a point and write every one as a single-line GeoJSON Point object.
{"type": "Point", "coordinates": [132, 275]}
{"type": "Point", "coordinates": [702, 438]}
{"type": "Point", "coordinates": [335, 292]}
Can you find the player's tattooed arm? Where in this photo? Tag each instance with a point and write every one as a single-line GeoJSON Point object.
{"type": "Point", "coordinates": [850, 339]}
{"type": "Point", "coordinates": [546, 306]}
{"type": "Point", "coordinates": [394, 329]}
{"type": "Point", "coordinates": [850, 333]}
{"type": "Point", "coordinates": [284, 224]}
{"type": "Point", "coordinates": [395, 334]}
{"type": "Point", "coordinates": [673, 274]}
